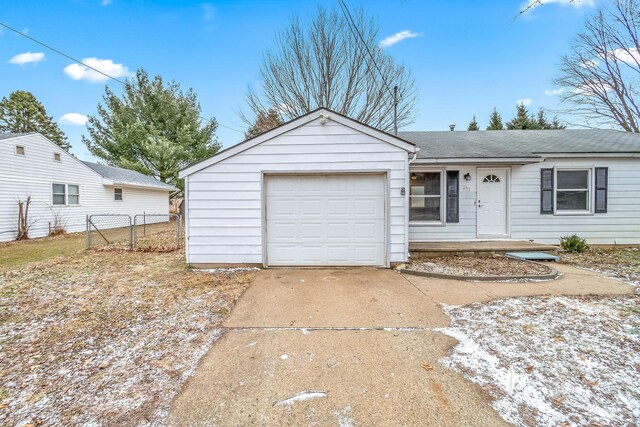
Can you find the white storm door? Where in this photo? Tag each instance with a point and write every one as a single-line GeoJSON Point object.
{"type": "Point", "coordinates": [325, 220]}
{"type": "Point", "coordinates": [492, 203]}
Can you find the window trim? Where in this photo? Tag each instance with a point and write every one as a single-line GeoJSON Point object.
{"type": "Point", "coordinates": [443, 176]}
{"type": "Point", "coordinates": [24, 150]}
{"type": "Point", "coordinates": [66, 194]}
{"type": "Point", "coordinates": [115, 190]}
{"type": "Point", "coordinates": [589, 190]}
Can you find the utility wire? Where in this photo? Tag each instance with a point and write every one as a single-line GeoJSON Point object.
{"type": "Point", "coordinates": [356, 32]}
{"type": "Point", "coordinates": [95, 69]}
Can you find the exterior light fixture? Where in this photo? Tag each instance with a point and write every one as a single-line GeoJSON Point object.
{"type": "Point", "coordinates": [467, 176]}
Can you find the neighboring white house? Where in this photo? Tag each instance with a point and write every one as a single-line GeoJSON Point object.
{"type": "Point", "coordinates": [65, 188]}
{"type": "Point", "coordinates": [327, 190]}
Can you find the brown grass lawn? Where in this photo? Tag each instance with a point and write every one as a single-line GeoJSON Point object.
{"type": "Point", "coordinates": [623, 263]}
{"type": "Point", "coordinates": [102, 337]}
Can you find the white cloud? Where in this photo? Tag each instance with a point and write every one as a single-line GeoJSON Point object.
{"type": "Point", "coordinates": [524, 101]}
{"type": "Point", "coordinates": [397, 37]}
{"type": "Point", "coordinates": [533, 4]}
{"type": "Point", "coordinates": [73, 119]}
{"type": "Point", "coordinates": [630, 55]}
{"type": "Point", "coordinates": [208, 11]}
{"type": "Point", "coordinates": [107, 66]}
{"type": "Point", "coordinates": [27, 58]}
{"type": "Point", "coordinates": [589, 63]}
{"type": "Point", "coordinates": [554, 92]}
{"type": "Point", "coordinates": [105, 2]}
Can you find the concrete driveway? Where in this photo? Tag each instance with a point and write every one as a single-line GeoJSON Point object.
{"type": "Point", "coordinates": [347, 347]}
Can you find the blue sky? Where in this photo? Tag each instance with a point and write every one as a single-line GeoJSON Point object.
{"type": "Point", "coordinates": [466, 56]}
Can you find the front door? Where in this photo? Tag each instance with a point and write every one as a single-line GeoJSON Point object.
{"type": "Point", "coordinates": [492, 203]}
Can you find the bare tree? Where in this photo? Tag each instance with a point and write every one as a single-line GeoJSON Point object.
{"type": "Point", "coordinates": [325, 63]}
{"type": "Point", "coordinates": [23, 219]}
{"type": "Point", "coordinates": [601, 75]}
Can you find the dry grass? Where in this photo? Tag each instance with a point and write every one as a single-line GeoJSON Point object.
{"type": "Point", "coordinates": [621, 263]}
{"type": "Point", "coordinates": [103, 337]}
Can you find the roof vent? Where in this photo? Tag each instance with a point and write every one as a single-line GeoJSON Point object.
{"type": "Point", "coordinates": [452, 127]}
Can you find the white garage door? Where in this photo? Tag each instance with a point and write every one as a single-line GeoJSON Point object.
{"type": "Point", "coordinates": [325, 220]}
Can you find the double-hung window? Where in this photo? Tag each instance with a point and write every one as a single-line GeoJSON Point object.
{"type": "Point", "coordinates": [573, 190]}
{"type": "Point", "coordinates": [426, 197]}
{"type": "Point", "coordinates": [65, 194]}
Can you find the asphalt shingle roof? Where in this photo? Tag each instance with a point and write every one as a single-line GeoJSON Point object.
{"type": "Point", "coordinates": [521, 143]}
{"type": "Point", "coordinates": [127, 176]}
{"type": "Point", "coordinates": [11, 135]}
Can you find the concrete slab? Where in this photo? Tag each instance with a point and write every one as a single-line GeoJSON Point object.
{"type": "Point", "coordinates": [358, 378]}
{"type": "Point", "coordinates": [333, 297]}
{"type": "Point", "coordinates": [573, 282]}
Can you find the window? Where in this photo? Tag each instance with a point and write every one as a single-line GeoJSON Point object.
{"type": "Point", "coordinates": [59, 194]}
{"type": "Point", "coordinates": [426, 197]}
{"type": "Point", "coordinates": [65, 194]}
{"type": "Point", "coordinates": [20, 150]}
{"type": "Point", "coordinates": [491, 178]}
{"type": "Point", "coordinates": [57, 157]}
{"type": "Point", "coordinates": [74, 195]}
{"type": "Point", "coordinates": [117, 193]}
{"type": "Point", "coordinates": [572, 190]}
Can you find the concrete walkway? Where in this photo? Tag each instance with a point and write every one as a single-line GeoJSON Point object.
{"type": "Point", "coordinates": [348, 347]}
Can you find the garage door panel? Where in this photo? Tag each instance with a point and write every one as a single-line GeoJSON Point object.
{"type": "Point", "coordinates": [318, 220]}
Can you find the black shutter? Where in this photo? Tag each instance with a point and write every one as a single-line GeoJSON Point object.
{"type": "Point", "coordinates": [546, 191]}
{"type": "Point", "coordinates": [602, 178]}
{"type": "Point", "coordinates": [453, 196]}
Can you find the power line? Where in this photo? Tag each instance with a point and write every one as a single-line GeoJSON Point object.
{"type": "Point", "coordinates": [97, 70]}
{"type": "Point", "coordinates": [354, 29]}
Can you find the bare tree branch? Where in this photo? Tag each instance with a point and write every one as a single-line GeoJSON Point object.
{"type": "Point", "coordinates": [323, 64]}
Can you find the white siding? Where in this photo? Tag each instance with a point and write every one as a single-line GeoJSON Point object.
{"type": "Point", "coordinates": [621, 224]}
{"type": "Point", "coordinates": [224, 223]}
{"type": "Point", "coordinates": [33, 175]}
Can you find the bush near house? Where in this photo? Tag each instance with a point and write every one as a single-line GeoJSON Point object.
{"type": "Point", "coordinates": [573, 244]}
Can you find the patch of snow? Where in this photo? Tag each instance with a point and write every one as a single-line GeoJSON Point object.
{"type": "Point", "coordinates": [284, 357]}
{"type": "Point", "coordinates": [226, 270]}
{"type": "Point", "coordinates": [556, 360]}
{"type": "Point", "coordinates": [302, 396]}
{"type": "Point", "coordinates": [345, 418]}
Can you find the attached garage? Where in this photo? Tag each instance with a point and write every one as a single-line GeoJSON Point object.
{"type": "Point", "coordinates": [321, 190]}
{"type": "Point", "coordinates": [325, 219]}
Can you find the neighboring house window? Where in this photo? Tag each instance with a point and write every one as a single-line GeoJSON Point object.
{"type": "Point", "coordinates": [426, 197]}
{"type": "Point", "coordinates": [73, 197]}
{"type": "Point", "coordinates": [65, 194]}
{"type": "Point", "coordinates": [57, 157]}
{"type": "Point", "coordinates": [59, 194]}
{"type": "Point", "coordinates": [572, 190]}
{"type": "Point", "coordinates": [20, 150]}
{"type": "Point", "coordinates": [117, 193]}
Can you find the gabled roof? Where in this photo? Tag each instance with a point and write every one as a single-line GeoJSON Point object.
{"type": "Point", "coordinates": [121, 176]}
{"type": "Point", "coordinates": [9, 135]}
{"type": "Point", "coordinates": [293, 124]}
{"type": "Point", "coordinates": [522, 143]}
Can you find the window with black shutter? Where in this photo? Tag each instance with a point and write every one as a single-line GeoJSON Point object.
{"type": "Point", "coordinates": [453, 196]}
{"type": "Point", "coordinates": [546, 191]}
{"type": "Point", "coordinates": [602, 184]}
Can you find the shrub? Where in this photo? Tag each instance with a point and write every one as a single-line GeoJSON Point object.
{"type": "Point", "coordinates": [573, 244]}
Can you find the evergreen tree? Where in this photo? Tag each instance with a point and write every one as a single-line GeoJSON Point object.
{"type": "Point", "coordinates": [473, 124]}
{"type": "Point", "coordinates": [541, 120]}
{"type": "Point", "coordinates": [495, 121]}
{"type": "Point", "coordinates": [555, 124]}
{"type": "Point", "coordinates": [522, 120]}
{"type": "Point", "coordinates": [264, 121]}
{"type": "Point", "coordinates": [154, 128]}
{"type": "Point", "coordinates": [21, 112]}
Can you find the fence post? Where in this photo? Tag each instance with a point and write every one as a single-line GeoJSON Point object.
{"type": "Point", "coordinates": [179, 231]}
{"type": "Point", "coordinates": [130, 234]}
{"type": "Point", "coordinates": [88, 236]}
{"type": "Point", "coordinates": [144, 223]}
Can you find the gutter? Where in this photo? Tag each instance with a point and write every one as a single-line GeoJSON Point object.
{"type": "Point", "coordinates": [111, 183]}
{"type": "Point", "coordinates": [493, 161]}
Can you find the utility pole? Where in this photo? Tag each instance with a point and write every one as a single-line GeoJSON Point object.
{"type": "Point", "coordinates": [395, 110]}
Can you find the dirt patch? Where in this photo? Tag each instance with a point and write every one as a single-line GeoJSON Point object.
{"type": "Point", "coordinates": [105, 338]}
{"type": "Point", "coordinates": [621, 263]}
{"type": "Point", "coordinates": [553, 361]}
{"type": "Point", "coordinates": [477, 266]}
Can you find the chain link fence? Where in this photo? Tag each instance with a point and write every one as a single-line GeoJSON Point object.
{"type": "Point", "coordinates": [144, 232]}
{"type": "Point", "coordinates": [157, 232]}
{"type": "Point", "coordinates": [109, 231]}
